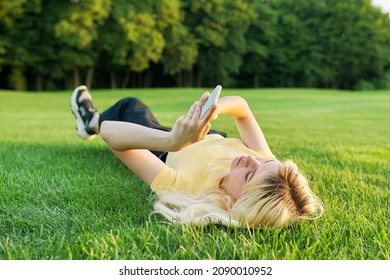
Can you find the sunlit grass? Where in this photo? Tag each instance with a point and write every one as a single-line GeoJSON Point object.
{"type": "Point", "coordinates": [63, 198]}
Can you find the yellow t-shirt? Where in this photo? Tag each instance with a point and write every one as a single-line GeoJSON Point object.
{"type": "Point", "coordinates": [187, 170]}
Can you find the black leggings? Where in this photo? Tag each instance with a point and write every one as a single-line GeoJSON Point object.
{"type": "Point", "coordinates": [133, 110]}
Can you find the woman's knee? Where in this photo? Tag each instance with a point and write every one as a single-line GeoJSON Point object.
{"type": "Point", "coordinates": [132, 103]}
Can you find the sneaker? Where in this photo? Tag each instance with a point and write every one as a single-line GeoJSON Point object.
{"type": "Point", "coordinates": [85, 113]}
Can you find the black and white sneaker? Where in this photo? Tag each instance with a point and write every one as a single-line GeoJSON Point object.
{"type": "Point", "coordinates": [85, 112]}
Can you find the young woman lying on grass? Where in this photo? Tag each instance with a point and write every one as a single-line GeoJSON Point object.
{"type": "Point", "coordinates": [199, 175]}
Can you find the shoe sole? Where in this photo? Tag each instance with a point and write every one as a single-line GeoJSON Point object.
{"type": "Point", "coordinates": [80, 127]}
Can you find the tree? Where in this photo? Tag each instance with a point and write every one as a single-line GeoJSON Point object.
{"type": "Point", "coordinates": [275, 43]}
{"type": "Point", "coordinates": [76, 31]}
{"type": "Point", "coordinates": [260, 36]}
{"type": "Point", "coordinates": [12, 51]}
{"type": "Point", "coordinates": [219, 27]}
{"type": "Point", "coordinates": [326, 43]}
{"type": "Point", "coordinates": [180, 53]}
{"type": "Point", "coordinates": [133, 37]}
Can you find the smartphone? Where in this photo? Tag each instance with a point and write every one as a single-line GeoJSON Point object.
{"type": "Point", "coordinates": [213, 98]}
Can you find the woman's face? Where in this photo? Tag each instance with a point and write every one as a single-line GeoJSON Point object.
{"type": "Point", "coordinates": [243, 169]}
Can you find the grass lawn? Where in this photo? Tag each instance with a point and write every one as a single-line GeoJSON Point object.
{"type": "Point", "coordinates": [64, 198]}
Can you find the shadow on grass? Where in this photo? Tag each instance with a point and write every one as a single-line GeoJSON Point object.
{"type": "Point", "coordinates": [67, 188]}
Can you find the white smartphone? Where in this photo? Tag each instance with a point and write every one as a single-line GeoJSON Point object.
{"type": "Point", "coordinates": [213, 98]}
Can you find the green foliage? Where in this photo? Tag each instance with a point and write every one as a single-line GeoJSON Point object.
{"type": "Point", "coordinates": [64, 198]}
{"type": "Point", "coordinates": [11, 10]}
{"type": "Point", "coordinates": [260, 38]}
{"type": "Point", "coordinates": [16, 79]}
{"type": "Point", "coordinates": [77, 23]}
{"type": "Point", "coordinates": [143, 24]}
{"type": "Point", "coordinates": [242, 43]}
{"type": "Point", "coordinates": [181, 50]}
{"type": "Point", "coordinates": [384, 80]}
{"type": "Point", "coordinates": [328, 43]}
{"type": "Point", "coordinates": [219, 28]}
{"type": "Point", "coordinates": [134, 35]}
{"type": "Point", "coordinates": [364, 85]}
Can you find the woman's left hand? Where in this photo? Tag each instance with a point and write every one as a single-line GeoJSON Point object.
{"type": "Point", "coordinates": [191, 128]}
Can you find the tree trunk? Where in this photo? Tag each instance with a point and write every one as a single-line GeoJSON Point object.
{"type": "Point", "coordinates": [190, 78]}
{"type": "Point", "coordinates": [68, 81]}
{"type": "Point", "coordinates": [148, 77]}
{"type": "Point", "coordinates": [90, 73]}
{"type": "Point", "coordinates": [125, 80]}
{"type": "Point", "coordinates": [39, 82]}
{"type": "Point", "coordinates": [186, 79]}
{"type": "Point", "coordinates": [180, 80]}
{"type": "Point", "coordinates": [139, 80]}
{"type": "Point", "coordinates": [76, 77]}
{"type": "Point", "coordinates": [113, 79]}
{"type": "Point", "coordinates": [133, 79]}
{"type": "Point", "coordinates": [256, 82]}
{"type": "Point", "coordinates": [199, 78]}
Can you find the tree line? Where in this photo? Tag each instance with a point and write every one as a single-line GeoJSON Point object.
{"type": "Point", "coordinates": [49, 44]}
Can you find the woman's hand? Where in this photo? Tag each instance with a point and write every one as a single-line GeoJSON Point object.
{"type": "Point", "coordinates": [190, 128]}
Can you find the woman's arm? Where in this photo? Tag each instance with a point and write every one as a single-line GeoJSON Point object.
{"type": "Point", "coordinates": [123, 136]}
{"type": "Point", "coordinates": [142, 162]}
{"type": "Point", "coordinates": [188, 129]}
{"type": "Point", "coordinates": [250, 131]}
{"type": "Point", "coordinates": [131, 142]}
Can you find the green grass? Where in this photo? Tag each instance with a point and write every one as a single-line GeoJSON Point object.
{"type": "Point", "coordinates": [63, 198]}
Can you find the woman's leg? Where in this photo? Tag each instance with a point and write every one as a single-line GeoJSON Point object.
{"type": "Point", "coordinates": [130, 109]}
{"type": "Point", "coordinates": [133, 110]}
{"type": "Point", "coordinates": [88, 119]}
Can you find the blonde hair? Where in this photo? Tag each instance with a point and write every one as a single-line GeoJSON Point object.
{"type": "Point", "coordinates": [275, 200]}
{"type": "Point", "coordinates": [269, 200]}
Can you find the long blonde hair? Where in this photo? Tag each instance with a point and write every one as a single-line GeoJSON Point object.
{"type": "Point", "coordinates": [269, 200]}
{"type": "Point", "coordinates": [275, 200]}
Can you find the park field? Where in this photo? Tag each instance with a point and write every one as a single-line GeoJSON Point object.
{"type": "Point", "coordinates": [65, 198]}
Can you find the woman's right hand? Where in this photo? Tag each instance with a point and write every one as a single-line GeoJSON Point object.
{"type": "Point", "coordinates": [191, 128]}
